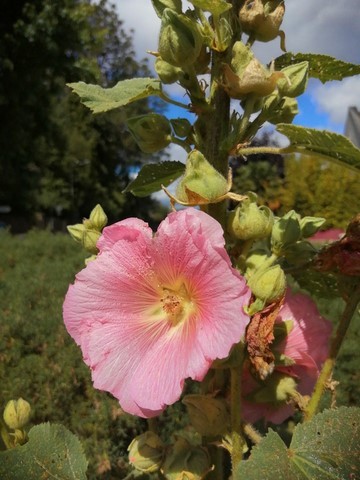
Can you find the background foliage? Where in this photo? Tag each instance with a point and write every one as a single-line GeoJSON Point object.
{"type": "Point", "coordinates": [40, 362]}
{"type": "Point", "coordinates": [55, 158]}
{"type": "Point", "coordinates": [303, 183]}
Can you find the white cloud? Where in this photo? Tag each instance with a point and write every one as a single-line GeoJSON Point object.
{"type": "Point", "coordinates": [330, 28]}
{"type": "Point", "coordinates": [334, 98]}
{"type": "Point", "coordinates": [139, 15]}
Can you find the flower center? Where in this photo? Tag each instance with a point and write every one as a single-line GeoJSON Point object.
{"type": "Point", "coordinates": [176, 303]}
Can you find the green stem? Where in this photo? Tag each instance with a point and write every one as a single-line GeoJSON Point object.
{"type": "Point", "coordinates": [181, 143]}
{"type": "Point", "coordinates": [153, 424]}
{"type": "Point", "coordinates": [255, 150]}
{"type": "Point", "coordinates": [167, 99]}
{"type": "Point", "coordinates": [248, 110]}
{"type": "Point", "coordinates": [237, 438]}
{"type": "Point", "coordinates": [335, 346]}
{"type": "Point", "coordinates": [5, 436]}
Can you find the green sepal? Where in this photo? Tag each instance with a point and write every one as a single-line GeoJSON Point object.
{"type": "Point", "coordinates": [310, 225]}
{"type": "Point", "coordinates": [160, 5]}
{"type": "Point", "coordinates": [181, 126]}
{"type": "Point", "coordinates": [295, 81]}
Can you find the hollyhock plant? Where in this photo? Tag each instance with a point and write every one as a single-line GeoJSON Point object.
{"type": "Point", "coordinates": [151, 311]}
{"type": "Point", "coordinates": [298, 359]}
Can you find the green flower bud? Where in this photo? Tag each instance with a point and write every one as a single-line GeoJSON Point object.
{"type": "Point", "coordinates": [208, 415]}
{"type": "Point", "coordinates": [76, 232]}
{"type": "Point", "coordinates": [152, 132]}
{"type": "Point", "coordinates": [17, 413]}
{"type": "Point", "coordinates": [90, 239]}
{"type": "Point", "coordinates": [295, 80]}
{"type": "Point", "coordinates": [160, 5]}
{"type": "Point", "coordinates": [201, 183]}
{"type": "Point", "coordinates": [167, 73]}
{"type": "Point", "coordinates": [98, 218]}
{"type": "Point", "coordinates": [280, 110]}
{"type": "Point", "coordinates": [278, 388]}
{"type": "Point", "coordinates": [310, 225]}
{"type": "Point", "coordinates": [250, 222]}
{"type": "Point", "coordinates": [180, 40]}
{"type": "Point", "coordinates": [186, 462]}
{"type": "Point", "coordinates": [255, 259]}
{"type": "Point", "coordinates": [286, 231]}
{"type": "Point", "coordinates": [268, 284]}
{"type": "Point", "coordinates": [146, 452]}
{"type": "Point", "coordinates": [181, 126]}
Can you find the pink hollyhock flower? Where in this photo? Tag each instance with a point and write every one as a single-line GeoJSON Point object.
{"type": "Point", "coordinates": [151, 311]}
{"type": "Point", "coordinates": [306, 347]}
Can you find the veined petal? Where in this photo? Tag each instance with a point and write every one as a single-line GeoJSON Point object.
{"type": "Point", "coordinates": [150, 312]}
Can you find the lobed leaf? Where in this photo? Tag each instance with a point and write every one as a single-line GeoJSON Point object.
{"type": "Point", "coordinates": [100, 99]}
{"type": "Point", "coordinates": [333, 146]}
{"type": "Point", "coordinates": [325, 448]}
{"type": "Point", "coordinates": [323, 67]}
{"type": "Point", "coordinates": [152, 176]}
{"type": "Point", "coordinates": [51, 452]}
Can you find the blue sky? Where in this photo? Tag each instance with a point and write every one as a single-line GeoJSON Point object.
{"type": "Point", "coordinates": [325, 27]}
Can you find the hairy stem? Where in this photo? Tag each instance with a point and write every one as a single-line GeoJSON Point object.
{"type": "Point", "coordinates": [237, 438]}
{"type": "Point", "coordinates": [335, 346]}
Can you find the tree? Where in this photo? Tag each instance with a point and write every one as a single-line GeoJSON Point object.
{"type": "Point", "coordinates": [53, 151]}
{"type": "Point", "coordinates": [323, 189]}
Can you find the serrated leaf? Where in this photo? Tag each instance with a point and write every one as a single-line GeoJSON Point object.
{"type": "Point", "coordinates": [323, 67]}
{"type": "Point", "coordinates": [268, 461]}
{"type": "Point", "coordinates": [100, 99]}
{"type": "Point", "coordinates": [325, 448]}
{"type": "Point", "coordinates": [328, 447]}
{"type": "Point", "coordinates": [216, 7]}
{"type": "Point", "coordinates": [52, 452]}
{"type": "Point", "coordinates": [152, 176]}
{"type": "Point", "coordinates": [333, 146]}
{"type": "Point", "coordinates": [321, 284]}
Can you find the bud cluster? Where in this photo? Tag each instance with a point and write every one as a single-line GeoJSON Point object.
{"type": "Point", "coordinates": [88, 232]}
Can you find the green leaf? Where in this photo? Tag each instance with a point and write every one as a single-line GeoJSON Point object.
{"type": "Point", "coordinates": [152, 176]}
{"type": "Point", "coordinates": [325, 448]}
{"type": "Point", "coordinates": [329, 445]}
{"type": "Point", "coordinates": [333, 146]}
{"type": "Point", "coordinates": [216, 7]}
{"type": "Point", "coordinates": [52, 452]}
{"type": "Point", "coordinates": [100, 99]}
{"type": "Point", "coordinates": [320, 284]}
{"type": "Point", "coordinates": [268, 460]}
{"type": "Point", "coordinates": [323, 67]}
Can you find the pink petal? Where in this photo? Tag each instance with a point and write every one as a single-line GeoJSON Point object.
{"type": "Point", "coordinates": [128, 229]}
{"type": "Point", "coordinates": [134, 350]}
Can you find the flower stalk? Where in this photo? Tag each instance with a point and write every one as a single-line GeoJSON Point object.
{"type": "Point", "coordinates": [335, 346]}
